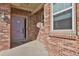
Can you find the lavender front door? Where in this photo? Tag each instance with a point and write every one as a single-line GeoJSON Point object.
{"type": "Point", "coordinates": [18, 31]}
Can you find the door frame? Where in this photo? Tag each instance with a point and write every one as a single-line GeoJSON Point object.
{"type": "Point", "coordinates": [26, 18]}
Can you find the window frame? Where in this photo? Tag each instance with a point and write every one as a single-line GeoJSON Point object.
{"type": "Point", "coordinates": [73, 20]}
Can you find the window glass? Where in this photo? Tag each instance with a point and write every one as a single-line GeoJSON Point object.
{"type": "Point", "coordinates": [62, 20]}
{"type": "Point", "coordinates": [60, 6]}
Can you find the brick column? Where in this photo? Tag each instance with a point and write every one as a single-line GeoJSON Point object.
{"type": "Point", "coordinates": [5, 28]}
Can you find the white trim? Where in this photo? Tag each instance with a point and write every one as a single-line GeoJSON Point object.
{"type": "Point", "coordinates": [51, 17]}
{"type": "Point", "coordinates": [62, 11]}
{"type": "Point", "coordinates": [73, 17]}
{"type": "Point", "coordinates": [73, 20]}
{"type": "Point", "coordinates": [27, 30]}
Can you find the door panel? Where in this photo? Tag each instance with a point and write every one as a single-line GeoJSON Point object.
{"type": "Point", "coordinates": [18, 31]}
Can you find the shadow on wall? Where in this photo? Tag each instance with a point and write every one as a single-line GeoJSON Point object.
{"type": "Point", "coordinates": [33, 20]}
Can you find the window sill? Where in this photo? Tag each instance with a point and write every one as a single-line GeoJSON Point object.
{"type": "Point", "coordinates": [64, 35]}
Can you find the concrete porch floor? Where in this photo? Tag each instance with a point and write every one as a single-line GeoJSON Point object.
{"type": "Point", "coordinates": [34, 48]}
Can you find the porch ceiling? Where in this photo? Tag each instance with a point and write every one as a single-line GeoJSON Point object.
{"type": "Point", "coordinates": [27, 6]}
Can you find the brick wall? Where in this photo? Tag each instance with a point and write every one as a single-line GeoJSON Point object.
{"type": "Point", "coordinates": [58, 44]}
{"type": "Point", "coordinates": [5, 28]}
{"type": "Point", "coordinates": [33, 20]}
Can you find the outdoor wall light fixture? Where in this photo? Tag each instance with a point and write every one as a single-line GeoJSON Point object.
{"type": "Point", "coordinates": [3, 16]}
